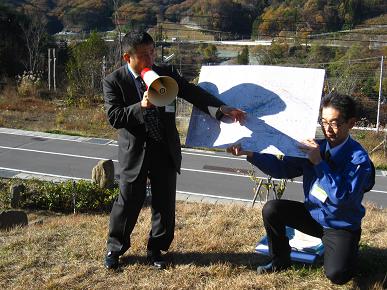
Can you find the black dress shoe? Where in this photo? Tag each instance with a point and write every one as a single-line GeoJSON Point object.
{"type": "Point", "coordinates": [271, 267]}
{"type": "Point", "coordinates": [156, 260]}
{"type": "Point", "coordinates": [111, 260]}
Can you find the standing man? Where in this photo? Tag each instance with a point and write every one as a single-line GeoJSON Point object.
{"type": "Point", "coordinates": [335, 176]}
{"type": "Point", "coordinates": [149, 147]}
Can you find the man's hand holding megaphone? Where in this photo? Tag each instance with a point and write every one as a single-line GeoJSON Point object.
{"type": "Point", "coordinates": [145, 103]}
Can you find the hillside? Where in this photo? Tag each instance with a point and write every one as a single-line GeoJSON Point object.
{"type": "Point", "coordinates": [239, 17]}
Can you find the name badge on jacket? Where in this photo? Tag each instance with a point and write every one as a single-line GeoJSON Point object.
{"type": "Point", "coordinates": [171, 108]}
{"type": "Point", "coordinates": [318, 192]}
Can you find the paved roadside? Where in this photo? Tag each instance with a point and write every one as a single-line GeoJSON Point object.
{"type": "Point", "coordinates": [193, 194]}
{"type": "Point", "coordinates": [23, 174]}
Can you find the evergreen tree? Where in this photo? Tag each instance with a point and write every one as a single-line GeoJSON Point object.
{"type": "Point", "coordinates": [12, 43]}
{"type": "Point", "coordinates": [84, 69]}
{"type": "Point", "coordinates": [243, 56]}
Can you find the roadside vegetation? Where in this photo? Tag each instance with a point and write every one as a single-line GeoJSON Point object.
{"type": "Point", "coordinates": [68, 196]}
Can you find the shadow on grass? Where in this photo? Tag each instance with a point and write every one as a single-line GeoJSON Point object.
{"type": "Point", "coordinates": [250, 260]}
{"type": "Point", "coordinates": [200, 259]}
{"type": "Point", "coordinates": [372, 268]}
{"type": "Point", "coordinates": [372, 263]}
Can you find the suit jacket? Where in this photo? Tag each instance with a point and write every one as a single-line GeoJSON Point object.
{"type": "Point", "coordinates": [122, 103]}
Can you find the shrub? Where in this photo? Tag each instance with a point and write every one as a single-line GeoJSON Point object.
{"type": "Point", "coordinates": [28, 84]}
{"type": "Point", "coordinates": [68, 196]}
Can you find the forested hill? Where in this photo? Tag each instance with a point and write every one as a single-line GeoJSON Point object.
{"type": "Point", "coordinates": [241, 17]}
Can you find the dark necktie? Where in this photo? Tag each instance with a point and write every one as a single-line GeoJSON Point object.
{"type": "Point", "coordinates": [141, 86]}
{"type": "Point", "coordinates": [151, 116]}
{"type": "Point", "coordinates": [327, 157]}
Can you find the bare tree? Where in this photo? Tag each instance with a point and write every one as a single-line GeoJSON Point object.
{"type": "Point", "coordinates": [34, 31]}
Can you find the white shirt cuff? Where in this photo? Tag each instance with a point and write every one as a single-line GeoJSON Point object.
{"type": "Point", "coordinates": [212, 111]}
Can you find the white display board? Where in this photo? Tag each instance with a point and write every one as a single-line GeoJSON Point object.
{"type": "Point", "coordinates": [282, 106]}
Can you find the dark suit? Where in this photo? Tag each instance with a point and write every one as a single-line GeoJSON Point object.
{"type": "Point", "coordinates": [140, 157]}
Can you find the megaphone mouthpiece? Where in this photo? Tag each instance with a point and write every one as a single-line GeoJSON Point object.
{"type": "Point", "coordinates": [158, 86]}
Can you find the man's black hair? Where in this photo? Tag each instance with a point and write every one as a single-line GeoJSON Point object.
{"type": "Point", "coordinates": [343, 103]}
{"type": "Point", "coordinates": [133, 39]}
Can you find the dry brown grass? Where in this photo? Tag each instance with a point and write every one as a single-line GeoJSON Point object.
{"type": "Point", "coordinates": [370, 140]}
{"type": "Point", "coordinates": [213, 249]}
{"type": "Point", "coordinates": [37, 114]}
{"type": "Point", "coordinates": [173, 30]}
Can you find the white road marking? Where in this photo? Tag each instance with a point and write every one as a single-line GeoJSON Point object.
{"type": "Point", "coordinates": [83, 139]}
{"type": "Point", "coordinates": [186, 169]}
{"type": "Point", "coordinates": [213, 196]}
{"type": "Point", "coordinates": [42, 135]}
{"type": "Point", "coordinates": [43, 173]}
{"type": "Point", "coordinates": [99, 158]}
{"type": "Point", "coordinates": [54, 153]}
{"type": "Point", "coordinates": [186, 151]}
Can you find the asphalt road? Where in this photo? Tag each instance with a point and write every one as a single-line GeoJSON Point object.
{"type": "Point", "coordinates": [204, 174]}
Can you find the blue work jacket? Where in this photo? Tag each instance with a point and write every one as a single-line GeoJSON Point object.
{"type": "Point", "coordinates": [343, 179]}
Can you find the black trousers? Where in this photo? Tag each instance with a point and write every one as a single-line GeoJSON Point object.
{"type": "Point", "coordinates": [341, 246]}
{"type": "Point", "coordinates": [158, 166]}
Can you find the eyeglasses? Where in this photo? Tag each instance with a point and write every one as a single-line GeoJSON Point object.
{"type": "Point", "coordinates": [333, 124]}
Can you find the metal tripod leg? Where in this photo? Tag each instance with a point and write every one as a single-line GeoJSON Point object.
{"type": "Point", "coordinates": [257, 192]}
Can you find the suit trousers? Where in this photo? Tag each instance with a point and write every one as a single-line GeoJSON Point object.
{"type": "Point", "coordinates": [159, 168]}
{"type": "Point", "coordinates": [341, 245]}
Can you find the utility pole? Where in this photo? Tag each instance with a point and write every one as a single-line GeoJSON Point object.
{"type": "Point", "coordinates": [120, 40]}
{"type": "Point", "coordinates": [51, 57]}
{"type": "Point", "coordinates": [162, 51]}
{"type": "Point", "coordinates": [49, 69]}
{"type": "Point", "coordinates": [380, 94]}
{"type": "Point", "coordinates": [54, 68]}
{"type": "Point", "coordinates": [178, 47]}
{"type": "Point", "coordinates": [103, 67]}
{"type": "Point", "coordinates": [161, 41]}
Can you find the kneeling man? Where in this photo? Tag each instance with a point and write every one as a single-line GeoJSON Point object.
{"type": "Point", "coordinates": [336, 174]}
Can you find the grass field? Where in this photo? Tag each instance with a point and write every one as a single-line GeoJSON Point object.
{"type": "Point", "coordinates": [213, 249]}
